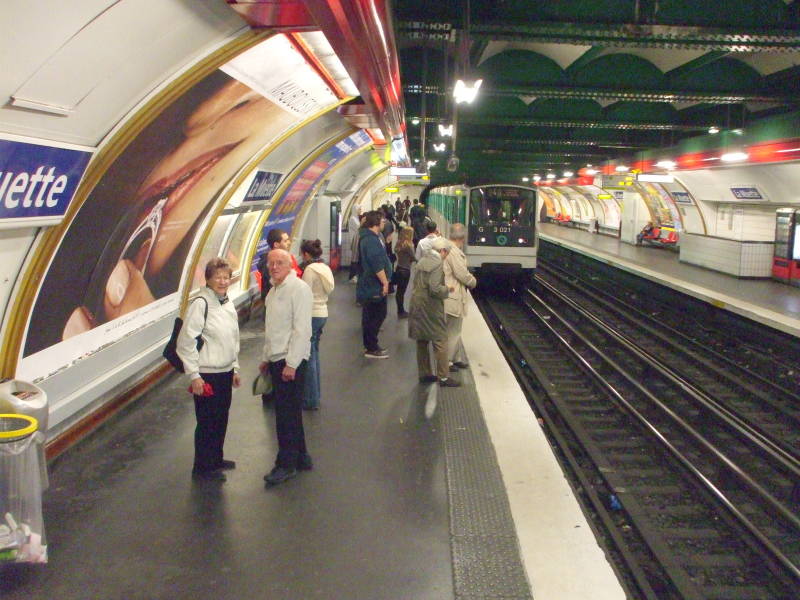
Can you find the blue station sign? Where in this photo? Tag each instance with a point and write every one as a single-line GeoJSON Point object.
{"type": "Point", "coordinates": [37, 182]}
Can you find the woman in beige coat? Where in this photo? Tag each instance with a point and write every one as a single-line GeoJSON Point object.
{"type": "Point", "coordinates": [457, 278]}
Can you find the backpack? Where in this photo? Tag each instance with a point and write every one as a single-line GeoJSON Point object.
{"type": "Point", "coordinates": [171, 349]}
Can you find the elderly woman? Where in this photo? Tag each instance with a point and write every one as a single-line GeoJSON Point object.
{"type": "Point", "coordinates": [213, 369]}
{"type": "Point", "coordinates": [457, 278]}
{"type": "Point", "coordinates": [426, 322]}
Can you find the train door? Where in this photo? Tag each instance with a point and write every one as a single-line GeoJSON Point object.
{"type": "Point", "coordinates": [786, 257]}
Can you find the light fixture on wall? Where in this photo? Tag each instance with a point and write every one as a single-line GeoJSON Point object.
{"type": "Point", "coordinates": [415, 121]}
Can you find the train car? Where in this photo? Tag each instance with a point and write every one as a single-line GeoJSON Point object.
{"type": "Point", "coordinates": [501, 224]}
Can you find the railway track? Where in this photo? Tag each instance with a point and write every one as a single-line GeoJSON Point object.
{"type": "Point", "coordinates": [693, 480]}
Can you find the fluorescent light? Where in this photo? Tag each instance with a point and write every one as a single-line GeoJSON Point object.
{"type": "Point", "coordinates": [734, 157]}
{"type": "Point", "coordinates": [445, 131]}
{"type": "Point", "coordinates": [551, 175]}
{"type": "Point", "coordinates": [712, 130]}
{"type": "Point", "coordinates": [525, 179]}
{"type": "Point", "coordinates": [416, 160]}
{"type": "Point", "coordinates": [568, 173]}
{"type": "Point", "coordinates": [464, 93]}
{"type": "Point", "coordinates": [590, 166]}
{"type": "Point", "coordinates": [737, 131]}
{"type": "Point", "coordinates": [666, 164]}
{"type": "Point", "coordinates": [537, 177]}
{"type": "Point", "coordinates": [591, 172]}
{"type": "Point", "coordinates": [655, 178]}
{"type": "Point", "coordinates": [415, 121]}
{"type": "Point", "coordinates": [622, 168]}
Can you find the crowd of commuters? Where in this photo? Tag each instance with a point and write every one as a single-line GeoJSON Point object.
{"type": "Point", "coordinates": [385, 252]}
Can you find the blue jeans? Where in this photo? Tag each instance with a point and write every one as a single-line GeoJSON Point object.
{"type": "Point", "coordinates": [311, 389]}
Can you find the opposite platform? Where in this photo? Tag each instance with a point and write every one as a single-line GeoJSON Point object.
{"type": "Point", "coordinates": [764, 301]}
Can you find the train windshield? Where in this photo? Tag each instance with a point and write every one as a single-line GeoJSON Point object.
{"type": "Point", "coordinates": [502, 205]}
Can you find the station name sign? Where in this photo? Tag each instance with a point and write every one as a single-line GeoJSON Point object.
{"type": "Point", "coordinates": [37, 182]}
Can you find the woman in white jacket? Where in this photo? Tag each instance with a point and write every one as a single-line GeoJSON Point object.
{"type": "Point", "coordinates": [213, 370]}
{"type": "Point", "coordinates": [319, 278]}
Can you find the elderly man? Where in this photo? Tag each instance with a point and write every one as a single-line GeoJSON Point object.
{"type": "Point", "coordinates": [287, 346]}
{"type": "Point", "coordinates": [457, 278]}
{"type": "Point", "coordinates": [426, 322]}
{"type": "Point", "coordinates": [373, 283]}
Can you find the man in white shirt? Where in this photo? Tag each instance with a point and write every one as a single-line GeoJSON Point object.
{"type": "Point", "coordinates": [425, 243]}
{"type": "Point", "coordinates": [287, 346]}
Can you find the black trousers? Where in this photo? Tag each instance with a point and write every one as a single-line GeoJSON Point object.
{"type": "Point", "coordinates": [212, 421]}
{"type": "Point", "coordinates": [401, 277]}
{"type": "Point", "coordinates": [373, 313]}
{"type": "Point", "coordinates": [288, 398]}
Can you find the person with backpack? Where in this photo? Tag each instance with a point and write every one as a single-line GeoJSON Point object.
{"type": "Point", "coordinates": [213, 370]}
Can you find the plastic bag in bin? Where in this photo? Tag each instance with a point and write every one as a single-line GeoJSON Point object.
{"type": "Point", "coordinates": [22, 536]}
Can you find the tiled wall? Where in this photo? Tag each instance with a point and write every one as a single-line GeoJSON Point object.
{"type": "Point", "coordinates": [741, 259]}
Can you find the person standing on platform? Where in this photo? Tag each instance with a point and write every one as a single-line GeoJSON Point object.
{"type": "Point", "coordinates": [418, 216]}
{"type": "Point", "coordinates": [373, 283]}
{"type": "Point", "coordinates": [276, 238]}
{"type": "Point", "coordinates": [427, 324]}
{"type": "Point", "coordinates": [354, 226]}
{"type": "Point", "coordinates": [319, 278]}
{"type": "Point", "coordinates": [287, 346]}
{"type": "Point", "coordinates": [431, 231]}
{"type": "Point", "coordinates": [402, 275]}
{"type": "Point", "coordinates": [213, 370]}
{"type": "Point", "coordinates": [457, 278]}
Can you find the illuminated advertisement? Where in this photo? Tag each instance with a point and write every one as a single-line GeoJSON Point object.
{"type": "Point", "coordinates": [37, 182]}
{"type": "Point", "coordinates": [121, 262]}
{"type": "Point", "coordinates": [287, 207]}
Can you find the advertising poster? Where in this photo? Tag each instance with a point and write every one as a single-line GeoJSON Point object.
{"type": "Point", "coordinates": [37, 182]}
{"type": "Point", "coordinates": [120, 264]}
{"type": "Point", "coordinates": [287, 207]}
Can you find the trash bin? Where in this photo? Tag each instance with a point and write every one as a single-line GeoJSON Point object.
{"type": "Point", "coordinates": [22, 537]}
{"type": "Point", "coordinates": [23, 398]}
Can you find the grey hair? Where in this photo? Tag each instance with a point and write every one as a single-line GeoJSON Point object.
{"type": "Point", "coordinates": [457, 231]}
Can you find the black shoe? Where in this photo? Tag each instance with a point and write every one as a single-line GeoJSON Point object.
{"type": "Point", "coordinates": [428, 379]}
{"type": "Point", "coordinates": [448, 382]}
{"type": "Point", "coordinates": [279, 475]}
{"type": "Point", "coordinates": [209, 475]}
{"type": "Point", "coordinates": [227, 465]}
{"type": "Point", "coordinates": [453, 368]}
{"type": "Point", "coordinates": [379, 353]}
{"type": "Point", "coordinates": [461, 365]}
{"type": "Point", "coordinates": [304, 462]}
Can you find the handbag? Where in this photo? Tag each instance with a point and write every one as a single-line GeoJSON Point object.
{"type": "Point", "coordinates": [171, 349]}
{"type": "Point", "coordinates": [262, 384]}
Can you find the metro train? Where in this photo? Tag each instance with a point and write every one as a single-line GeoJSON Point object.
{"type": "Point", "coordinates": [501, 224]}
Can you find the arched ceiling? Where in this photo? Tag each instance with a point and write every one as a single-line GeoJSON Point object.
{"type": "Point", "coordinates": [580, 82]}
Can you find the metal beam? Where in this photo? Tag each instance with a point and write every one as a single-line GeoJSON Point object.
{"type": "Point", "coordinates": [590, 124]}
{"type": "Point", "coordinates": [624, 35]}
{"type": "Point", "coordinates": [620, 94]}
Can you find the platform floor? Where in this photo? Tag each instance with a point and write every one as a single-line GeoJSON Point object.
{"type": "Point", "coordinates": [762, 300]}
{"type": "Point", "coordinates": [418, 492]}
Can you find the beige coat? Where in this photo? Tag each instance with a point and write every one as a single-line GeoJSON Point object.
{"type": "Point", "coordinates": [457, 278]}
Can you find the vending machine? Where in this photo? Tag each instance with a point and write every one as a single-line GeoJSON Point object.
{"type": "Point", "coordinates": [786, 258]}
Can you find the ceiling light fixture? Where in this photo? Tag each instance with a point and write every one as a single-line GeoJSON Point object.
{"type": "Point", "coordinates": [712, 130]}
{"type": "Point", "coordinates": [445, 131]}
{"type": "Point", "coordinates": [537, 177]}
{"type": "Point", "coordinates": [666, 164]}
{"type": "Point", "coordinates": [466, 93]}
{"type": "Point", "coordinates": [439, 147]}
{"type": "Point", "coordinates": [591, 171]}
{"type": "Point", "coordinates": [415, 121]}
{"type": "Point", "coordinates": [568, 173]}
{"type": "Point", "coordinates": [621, 168]}
{"type": "Point", "coordinates": [734, 157]}
{"type": "Point", "coordinates": [525, 179]}
{"type": "Point", "coordinates": [551, 175]}
{"type": "Point", "coordinates": [431, 163]}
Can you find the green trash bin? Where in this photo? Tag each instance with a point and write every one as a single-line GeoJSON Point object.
{"type": "Point", "coordinates": [22, 538]}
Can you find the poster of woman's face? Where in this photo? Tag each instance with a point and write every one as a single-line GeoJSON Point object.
{"type": "Point", "coordinates": [129, 243]}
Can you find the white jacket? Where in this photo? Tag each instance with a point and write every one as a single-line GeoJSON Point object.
{"type": "Point", "coordinates": [319, 278]}
{"type": "Point", "coordinates": [287, 321]}
{"type": "Point", "coordinates": [457, 278]}
{"type": "Point", "coordinates": [220, 351]}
